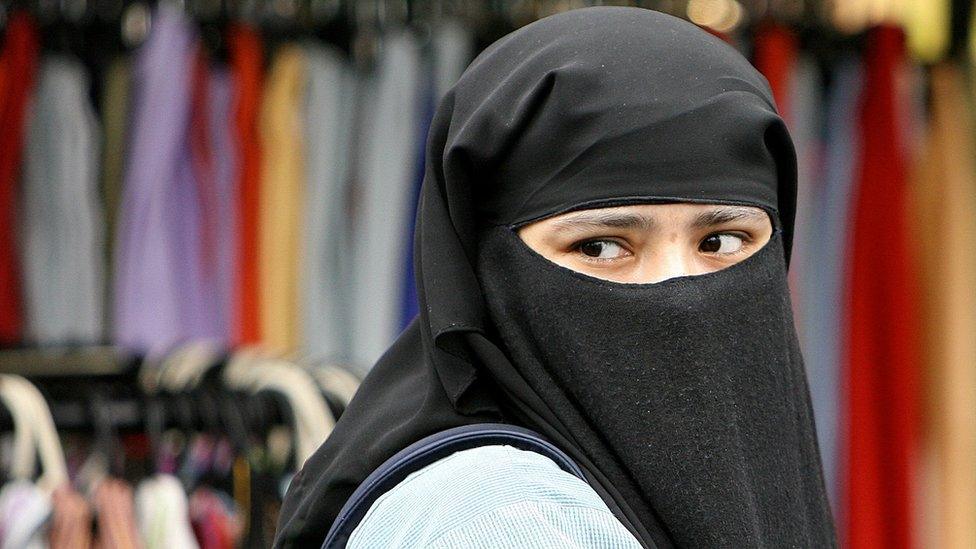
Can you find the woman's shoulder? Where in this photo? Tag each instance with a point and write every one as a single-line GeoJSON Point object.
{"type": "Point", "coordinates": [491, 496]}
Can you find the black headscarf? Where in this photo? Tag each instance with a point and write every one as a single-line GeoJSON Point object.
{"type": "Point", "coordinates": [601, 107]}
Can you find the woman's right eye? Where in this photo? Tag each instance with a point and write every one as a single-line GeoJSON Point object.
{"type": "Point", "coordinates": [602, 249]}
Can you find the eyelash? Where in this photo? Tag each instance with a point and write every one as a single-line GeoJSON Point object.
{"type": "Point", "coordinates": [577, 246]}
{"type": "Point", "coordinates": [746, 241]}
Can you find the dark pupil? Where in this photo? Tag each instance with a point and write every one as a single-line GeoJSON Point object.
{"type": "Point", "coordinates": [592, 249]}
{"type": "Point", "coordinates": [711, 244]}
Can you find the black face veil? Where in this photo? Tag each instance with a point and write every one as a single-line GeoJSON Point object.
{"type": "Point", "coordinates": [685, 402]}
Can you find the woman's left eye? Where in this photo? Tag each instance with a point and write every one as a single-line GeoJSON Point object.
{"type": "Point", "coordinates": [721, 243]}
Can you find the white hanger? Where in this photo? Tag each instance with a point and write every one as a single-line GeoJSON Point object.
{"type": "Point", "coordinates": [54, 471]}
{"type": "Point", "coordinates": [24, 457]}
{"type": "Point", "coordinates": [250, 371]}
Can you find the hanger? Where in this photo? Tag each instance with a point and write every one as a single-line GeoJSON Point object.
{"type": "Point", "coordinates": [24, 459]}
{"type": "Point", "coordinates": [107, 441]}
{"type": "Point", "coordinates": [312, 419]}
{"type": "Point", "coordinates": [337, 382]}
{"type": "Point", "coordinates": [54, 471]}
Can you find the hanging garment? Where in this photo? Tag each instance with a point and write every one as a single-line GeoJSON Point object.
{"type": "Point", "coordinates": [927, 28]}
{"type": "Point", "coordinates": [329, 107]}
{"type": "Point", "coordinates": [163, 514]}
{"type": "Point", "coordinates": [684, 402]}
{"type": "Point", "coordinates": [825, 312]}
{"type": "Point", "coordinates": [775, 51]}
{"type": "Point", "coordinates": [944, 207]}
{"type": "Point", "coordinates": [882, 366]}
{"type": "Point", "coordinates": [805, 129]}
{"type": "Point", "coordinates": [215, 520]}
{"type": "Point", "coordinates": [410, 304]}
{"type": "Point", "coordinates": [282, 198]}
{"type": "Point", "coordinates": [71, 520]}
{"type": "Point", "coordinates": [24, 513]}
{"type": "Point", "coordinates": [159, 298]}
{"type": "Point", "coordinates": [382, 197]}
{"type": "Point", "coordinates": [19, 58]}
{"type": "Point", "coordinates": [451, 51]}
{"type": "Point", "coordinates": [115, 115]}
{"type": "Point", "coordinates": [246, 58]}
{"type": "Point", "coordinates": [225, 179]}
{"type": "Point", "coordinates": [115, 515]}
{"type": "Point", "coordinates": [207, 192]}
{"type": "Point", "coordinates": [63, 266]}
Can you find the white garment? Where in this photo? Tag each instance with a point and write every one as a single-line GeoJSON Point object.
{"type": "Point", "coordinates": [61, 222]}
{"type": "Point", "coordinates": [383, 194]}
{"type": "Point", "coordinates": [163, 514]}
{"type": "Point", "coordinates": [24, 512]}
{"type": "Point", "coordinates": [330, 102]}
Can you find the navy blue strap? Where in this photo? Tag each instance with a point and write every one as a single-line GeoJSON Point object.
{"type": "Point", "coordinates": [429, 450]}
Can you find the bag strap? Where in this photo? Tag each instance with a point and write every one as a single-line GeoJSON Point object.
{"type": "Point", "coordinates": [429, 450]}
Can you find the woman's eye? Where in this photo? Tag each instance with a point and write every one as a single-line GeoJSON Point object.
{"type": "Point", "coordinates": [721, 244]}
{"type": "Point", "coordinates": [602, 249]}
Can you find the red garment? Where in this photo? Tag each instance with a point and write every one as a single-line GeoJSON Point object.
{"type": "Point", "coordinates": [19, 57]}
{"type": "Point", "coordinates": [246, 61]}
{"type": "Point", "coordinates": [775, 56]}
{"type": "Point", "coordinates": [882, 370]}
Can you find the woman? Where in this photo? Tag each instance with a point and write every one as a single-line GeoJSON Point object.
{"type": "Point", "coordinates": [577, 167]}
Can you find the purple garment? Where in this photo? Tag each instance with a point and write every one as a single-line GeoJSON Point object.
{"type": "Point", "coordinates": [160, 296]}
{"type": "Point", "coordinates": [224, 164]}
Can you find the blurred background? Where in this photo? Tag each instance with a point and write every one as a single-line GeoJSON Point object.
{"type": "Point", "coordinates": [206, 213]}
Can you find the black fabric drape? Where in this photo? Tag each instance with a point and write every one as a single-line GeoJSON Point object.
{"type": "Point", "coordinates": [591, 107]}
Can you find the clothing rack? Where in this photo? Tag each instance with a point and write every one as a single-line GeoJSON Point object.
{"type": "Point", "coordinates": [198, 435]}
{"type": "Point", "coordinates": [96, 388]}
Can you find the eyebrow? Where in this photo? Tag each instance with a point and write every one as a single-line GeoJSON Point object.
{"type": "Point", "coordinates": [727, 214]}
{"type": "Point", "coordinates": [604, 220]}
{"type": "Point", "coordinates": [614, 220]}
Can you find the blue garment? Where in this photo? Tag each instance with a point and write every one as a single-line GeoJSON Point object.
{"type": "Point", "coordinates": [824, 330]}
{"type": "Point", "coordinates": [491, 497]}
{"type": "Point", "coordinates": [411, 303]}
{"type": "Point", "coordinates": [329, 105]}
{"type": "Point", "coordinates": [452, 45]}
{"type": "Point", "coordinates": [382, 195]}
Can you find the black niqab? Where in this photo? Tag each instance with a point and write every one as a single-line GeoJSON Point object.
{"type": "Point", "coordinates": [600, 107]}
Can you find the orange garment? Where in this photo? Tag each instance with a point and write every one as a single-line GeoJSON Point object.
{"type": "Point", "coordinates": [282, 200]}
{"type": "Point", "coordinates": [246, 63]}
{"type": "Point", "coordinates": [19, 54]}
{"type": "Point", "coordinates": [944, 206]}
{"type": "Point", "coordinates": [882, 368]}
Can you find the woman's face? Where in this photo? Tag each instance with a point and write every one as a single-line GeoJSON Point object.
{"type": "Point", "coordinates": [651, 242]}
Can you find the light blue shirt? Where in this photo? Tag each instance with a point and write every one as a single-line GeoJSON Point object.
{"type": "Point", "coordinates": [491, 497]}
